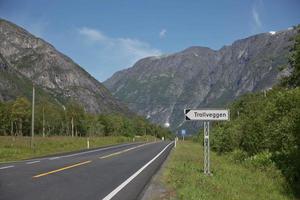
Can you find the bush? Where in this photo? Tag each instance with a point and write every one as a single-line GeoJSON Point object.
{"type": "Point", "coordinates": [238, 156]}
{"type": "Point", "coordinates": [263, 127]}
{"type": "Point", "coordinates": [261, 160]}
{"type": "Point", "coordinates": [225, 138]}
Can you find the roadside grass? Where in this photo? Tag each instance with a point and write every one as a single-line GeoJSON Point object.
{"type": "Point", "coordinates": [18, 148]}
{"type": "Point", "coordinates": [184, 175]}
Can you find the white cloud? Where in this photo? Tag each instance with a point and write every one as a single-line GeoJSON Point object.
{"type": "Point", "coordinates": [119, 50]}
{"type": "Point", "coordinates": [255, 15]}
{"type": "Point", "coordinates": [92, 34]}
{"type": "Point", "coordinates": [162, 33]}
{"type": "Point", "coordinates": [136, 48]}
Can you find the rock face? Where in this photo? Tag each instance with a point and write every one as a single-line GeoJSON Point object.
{"type": "Point", "coordinates": [25, 58]}
{"type": "Point", "coordinates": [12, 83]}
{"type": "Point", "coordinates": [199, 77]}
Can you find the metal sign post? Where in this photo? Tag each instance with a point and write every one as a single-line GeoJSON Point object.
{"type": "Point", "coordinates": [206, 149]}
{"type": "Point", "coordinates": [206, 115]}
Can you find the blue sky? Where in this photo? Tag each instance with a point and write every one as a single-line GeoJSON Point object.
{"type": "Point", "coordinates": [105, 36]}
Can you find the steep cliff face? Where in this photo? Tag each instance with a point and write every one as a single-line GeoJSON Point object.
{"type": "Point", "coordinates": [198, 77]}
{"type": "Point", "coordinates": [31, 59]}
{"type": "Point", "coordinates": [12, 83]}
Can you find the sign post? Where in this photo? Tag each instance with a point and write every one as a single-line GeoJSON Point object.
{"type": "Point", "coordinates": [206, 148]}
{"type": "Point", "coordinates": [206, 115]}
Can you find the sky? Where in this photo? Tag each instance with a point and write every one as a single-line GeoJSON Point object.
{"type": "Point", "coordinates": [105, 36]}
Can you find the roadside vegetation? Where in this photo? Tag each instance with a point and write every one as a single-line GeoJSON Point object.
{"type": "Point", "coordinates": [184, 177]}
{"type": "Point", "coordinates": [264, 131]}
{"type": "Point", "coordinates": [65, 128]}
{"type": "Point", "coordinates": [18, 148]}
{"type": "Point", "coordinates": [62, 129]}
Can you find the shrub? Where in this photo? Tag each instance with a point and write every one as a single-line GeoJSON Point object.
{"type": "Point", "coordinates": [238, 156]}
{"type": "Point", "coordinates": [261, 160]}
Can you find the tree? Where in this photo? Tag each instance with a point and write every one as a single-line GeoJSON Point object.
{"type": "Point", "coordinates": [21, 115]}
{"type": "Point", "coordinates": [75, 115]}
{"type": "Point", "coordinates": [293, 80]}
{"type": "Point", "coordinates": [50, 118]}
{"type": "Point", "coordinates": [5, 125]}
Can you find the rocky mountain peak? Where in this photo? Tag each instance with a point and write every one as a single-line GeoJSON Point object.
{"type": "Point", "coordinates": [39, 62]}
{"type": "Point", "coordinates": [199, 77]}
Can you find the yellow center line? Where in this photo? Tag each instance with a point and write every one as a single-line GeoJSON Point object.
{"type": "Point", "coordinates": [120, 152]}
{"type": "Point", "coordinates": [61, 169]}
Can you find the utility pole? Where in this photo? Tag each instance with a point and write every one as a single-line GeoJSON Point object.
{"type": "Point", "coordinates": [32, 117]}
{"type": "Point", "coordinates": [72, 126]}
{"type": "Point", "coordinates": [43, 121]}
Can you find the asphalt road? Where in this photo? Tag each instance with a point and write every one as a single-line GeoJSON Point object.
{"type": "Point", "coordinates": [116, 172]}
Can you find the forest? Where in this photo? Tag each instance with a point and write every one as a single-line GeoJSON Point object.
{"type": "Point", "coordinates": [71, 120]}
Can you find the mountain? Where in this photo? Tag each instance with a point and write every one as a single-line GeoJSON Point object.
{"type": "Point", "coordinates": [25, 58]}
{"type": "Point", "coordinates": [162, 87]}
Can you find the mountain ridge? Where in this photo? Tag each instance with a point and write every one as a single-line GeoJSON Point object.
{"type": "Point", "coordinates": [160, 87]}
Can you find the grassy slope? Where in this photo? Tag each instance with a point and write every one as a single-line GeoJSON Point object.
{"type": "Point", "coordinates": [184, 174]}
{"type": "Point", "coordinates": [19, 147]}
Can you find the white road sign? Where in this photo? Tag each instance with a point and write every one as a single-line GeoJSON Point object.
{"type": "Point", "coordinates": [183, 132]}
{"type": "Point", "coordinates": [206, 115]}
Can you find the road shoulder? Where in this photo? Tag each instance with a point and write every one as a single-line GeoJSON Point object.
{"type": "Point", "coordinates": [156, 189]}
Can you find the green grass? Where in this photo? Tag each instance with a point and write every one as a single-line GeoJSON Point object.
{"type": "Point", "coordinates": [184, 176]}
{"type": "Point", "coordinates": [18, 148]}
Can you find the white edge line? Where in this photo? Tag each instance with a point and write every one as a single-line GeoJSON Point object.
{"type": "Point", "coordinates": [54, 158]}
{"type": "Point", "coordinates": [10, 166]}
{"type": "Point", "coordinates": [32, 162]}
{"type": "Point", "coordinates": [120, 187]}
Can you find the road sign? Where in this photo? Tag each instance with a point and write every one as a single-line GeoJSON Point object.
{"type": "Point", "coordinates": [183, 132]}
{"type": "Point", "coordinates": [206, 115]}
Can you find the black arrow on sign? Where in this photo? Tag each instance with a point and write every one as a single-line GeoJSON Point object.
{"type": "Point", "coordinates": [186, 112]}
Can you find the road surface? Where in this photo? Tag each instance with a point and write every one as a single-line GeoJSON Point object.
{"type": "Point", "coordinates": [115, 172]}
